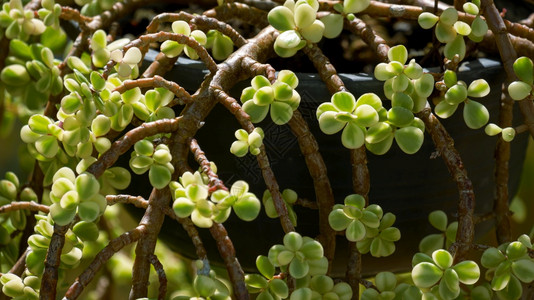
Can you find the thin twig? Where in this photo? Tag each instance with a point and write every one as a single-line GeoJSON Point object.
{"type": "Point", "coordinates": [24, 205]}
{"type": "Point", "coordinates": [161, 276]}
{"type": "Point", "coordinates": [100, 260]}
{"type": "Point", "coordinates": [214, 182]}
{"type": "Point", "coordinates": [203, 23]}
{"type": "Point", "coordinates": [51, 263]}
{"type": "Point", "coordinates": [235, 272]}
{"type": "Point", "coordinates": [323, 190]}
{"type": "Point", "coordinates": [466, 204]}
{"type": "Point", "coordinates": [122, 145]}
{"type": "Point", "coordinates": [502, 157]}
{"type": "Point", "coordinates": [156, 81]}
{"type": "Point", "coordinates": [153, 221]}
{"type": "Point", "coordinates": [186, 223]}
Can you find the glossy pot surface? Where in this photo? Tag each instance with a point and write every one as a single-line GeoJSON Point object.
{"type": "Point", "coordinates": [410, 186]}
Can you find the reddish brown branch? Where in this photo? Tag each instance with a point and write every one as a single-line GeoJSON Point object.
{"type": "Point", "coordinates": [466, 204]}
{"type": "Point", "coordinates": [326, 70]}
{"type": "Point", "coordinates": [51, 263]}
{"type": "Point", "coordinates": [354, 270]}
{"type": "Point", "coordinates": [370, 37]}
{"type": "Point", "coordinates": [214, 182]}
{"type": "Point", "coordinates": [31, 206]}
{"type": "Point", "coordinates": [243, 12]}
{"type": "Point", "coordinates": [162, 291]}
{"type": "Point", "coordinates": [161, 65]}
{"type": "Point", "coordinates": [323, 190]}
{"type": "Point", "coordinates": [153, 221]}
{"type": "Point", "coordinates": [235, 272]}
{"type": "Point", "coordinates": [268, 175]}
{"type": "Point", "coordinates": [72, 14]}
{"type": "Point", "coordinates": [122, 145]}
{"type": "Point", "coordinates": [508, 55]}
{"type": "Point", "coordinates": [203, 23]}
{"type": "Point", "coordinates": [502, 157]}
{"type": "Point", "coordinates": [181, 39]}
{"type": "Point", "coordinates": [100, 260]}
{"type": "Point", "coordinates": [186, 223]}
{"type": "Point", "coordinates": [156, 81]}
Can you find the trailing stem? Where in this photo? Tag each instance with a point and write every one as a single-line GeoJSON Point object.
{"type": "Point", "coordinates": [114, 246]}
{"type": "Point", "coordinates": [466, 204]}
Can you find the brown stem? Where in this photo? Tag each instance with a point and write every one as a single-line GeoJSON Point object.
{"type": "Point", "coordinates": [268, 175]}
{"type": "Point", "coordinates": [323, 190]}
{"type": "Point", "coordinates": [203, 23]}
{"type": "Point", "coordinates": [31, 206]}
{"type": "Point", "coordinates": [508, 55]}
{"type": "Point", "coordinates": [243, 12]}
{"type": "Point", "coordinates": [19, 267]}
{"type": "Point", "coordinates": [369, 36]}
{"type": "Point", "coordinates": [502, 156]}
{"type": "Point", "coordinates": [354, 270]}
{"type": "Point", "coordinates": [114, 246]}
{"type": "Point", "coordinates": [235, 272]}
{"type": "Point", "coordinates": [186, 223]}
{"type": "Point", "coordinates": [152, 220]}
{"type": "Point", "coordinates": [156, 81]}
{"type": "Point", "coordinates": [51, 263]}
{"type": "Point", "coordinates": [214, 182]}
{"type": "Point", "coordinates": [326, 70]}
{"type": "Point", "coordinates": [466, 204]}
{"type": "Point", "coordinates": [146, 39]}
{"type": "Point", "coordinates": [122, 145]}
{"type": "Point", "coordinates": [161, 276]}
{"type": "Point", "coordinates": [307, 203]}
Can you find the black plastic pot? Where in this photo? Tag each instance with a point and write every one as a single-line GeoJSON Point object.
{"type": "Point", "coordinates": [410, 186]}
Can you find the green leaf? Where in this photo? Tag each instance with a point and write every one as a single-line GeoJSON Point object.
{"type": "Point", "coordinates": [400, 116]}
{"type": "Point", "coordinates": [455, 46]}
{"type": "Point", "coordinates": [445, 33]}
{"type": "Point", "coordinates": [513, 290]}
{"type": "Point", "coordinates": [478, 88]}
{"type": "Point", "coordinates": [438, 219]}
{"type": "Point", "coordinates": [519, 90]}
{"type": "Point", "coordinates": [159, 176]}
{"type": "Point", "coordinates": [444, 109]}
{"type": "Point", "coordinates": [312, 249]}
{"type": "Point", "coordinates": [298, 268]}
{"type": "Point", "coordinates": [353, 136]}
{"type": "Point", "coordinates": [523, 68]}
{"type": "Point", "coordinates": [410, 139]}
{"type": "Point", "coordinates": [476, 115]}
{"type": "Point", "coordinates": [304, 15]}
{"type": "Point", "coordinates": [279, 288]}
{"type": "Point", "coordinates": [293, 241]}
{"type": "Point", "coordinates": [265, 267]}
{"type": "Point", "coordinates": [442, 258]}
{"type": "Point", "coordinates": [398, 53]}
{"type": "Point", "coordinates": [355, 6]}
{"type": "Point", "coordinates": [355, 231]}
{"type": "Point", "coordinates": [281, 112]}
{"type": "Point", "coordinates": [314, 32]}
{"type": "Point", "coordinates": [426, 275]}
{"type": "Point", "coordinates": [427, 20]}
{"type": "Point", "coordinates": [333, 25]}
{"type": "Point", "coordinates": [281, 18]}
{"type": "Point", "coordinates": [479, 27]}
{"type": "Point", "coordinates": [468, 272]}
{"type": "Point", "coordinates": [88, 211]}
{"type": "Point", "coordinates": [247, 207]}
{"type": "Point", "coordinates": [15, 75]}
{"type": "Point", "coordinates": [288, 39]}
{"type": "Point", "coordinates": [257, 113]}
